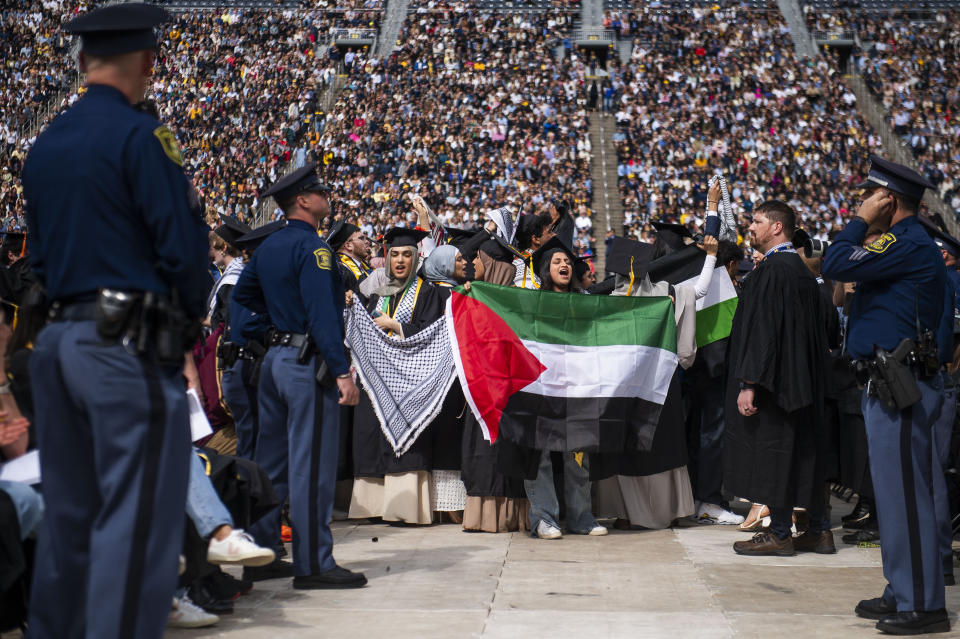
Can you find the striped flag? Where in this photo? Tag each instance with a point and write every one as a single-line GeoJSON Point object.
{"type": "Point", "coordinates": [714, 311]}
{"type": "Point", "coordinates": [560, 371]}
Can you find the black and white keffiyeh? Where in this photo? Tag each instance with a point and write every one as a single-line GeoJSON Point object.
{"type": "Point", "coordinates": [506, 223]}
{"type": "Point", "coordinates": [406, 379]}
{"type": "Point", "coordinates": [728, 224]}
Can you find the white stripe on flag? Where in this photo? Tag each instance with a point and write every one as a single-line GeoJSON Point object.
{"type": "Point", "coordinates": [602, 371]}
{"type": "Point", "coordinates": [721, 288]}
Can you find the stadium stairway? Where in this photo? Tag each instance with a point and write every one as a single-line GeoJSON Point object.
{"type": "Point", "coordinates": [607, 208]}
{"type": "Point", "coordinates": [391, 26]}
{"type": "Point", "coordinates": [873, 111]}
{"type": "Point", "coordinates": [793, 16]}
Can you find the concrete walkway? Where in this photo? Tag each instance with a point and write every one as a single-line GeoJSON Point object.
{"type": "Point", "coordinates": [686, 582]}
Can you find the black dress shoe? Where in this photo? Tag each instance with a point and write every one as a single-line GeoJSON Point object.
{"type": "Point", "coordinates": [334, 578]}
{"type": "Point", "coordinates": [877, 608]}
{"type": "Point", "coordinates": [917, 622]}
{"type": "Point", "coordinates": [862, 537]}
{"type": "Point", "coordinates": [949, 579]}
{"type": "Point", "coordinates": [276, 569]}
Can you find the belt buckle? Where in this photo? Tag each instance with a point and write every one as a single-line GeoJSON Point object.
{"type": "Point", "coordinates": [285, 340]}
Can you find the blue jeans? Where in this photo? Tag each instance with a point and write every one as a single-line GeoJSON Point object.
{"type": "Point", "coordinates": [203, 504]}
{"type": "Point", "coordinates": [576, 492]}
{"type": "Point", "coordinates": [29, 505]}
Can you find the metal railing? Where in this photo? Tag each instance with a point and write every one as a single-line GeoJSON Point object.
{"type": "Point", "coordinates": [593, 36]}
{"type": "Point", "coordinates": [354, 34]}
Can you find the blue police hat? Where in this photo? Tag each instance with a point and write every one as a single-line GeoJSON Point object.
{"type": "Point", "coordinates": [118, 28]}
{"type": "Point", "coordinates": [895, 177]}
{"type": "Point", "coordinates": [292, 185]}
{"type": "Point", "coordinates": [255, 238]}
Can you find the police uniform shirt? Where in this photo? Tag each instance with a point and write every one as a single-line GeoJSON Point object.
{"type": "Point", "coordinates": [246, 325]}
{"type": "Point", "coordinates": [293, 277]}
{"type": "Point", "coordinates": [899, 276]}
{"type": "Point", "coordinates": [106, 175]}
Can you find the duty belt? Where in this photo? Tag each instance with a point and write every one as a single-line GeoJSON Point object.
{"type": "Point", "coordinates": [73, 311]}
{"type": "Point", "coordinates": [296, 340]}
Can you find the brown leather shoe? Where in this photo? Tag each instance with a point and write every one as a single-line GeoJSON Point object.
{"type": "Point", "coordinates": [765, 543]}
{"type": "Point", "coordinates": [821, 542]}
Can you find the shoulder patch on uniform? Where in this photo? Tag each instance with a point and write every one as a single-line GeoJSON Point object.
{"type": "Point", "coordinates": [169, 144]}
{"type": "Point", "coordinates": [324, 258]}
{"type": "Point", "coordinates": [882, 243]}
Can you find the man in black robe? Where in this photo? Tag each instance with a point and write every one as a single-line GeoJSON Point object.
{"type": "Point", "coordinates": [774, 444]}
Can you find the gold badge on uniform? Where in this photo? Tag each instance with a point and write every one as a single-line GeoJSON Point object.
{"type": "Point", "coordinates": [169, 144]}
{"type": "Point", "coordinates": [324, 258]}
{"type": "Point", "coordinates": [882, 243]}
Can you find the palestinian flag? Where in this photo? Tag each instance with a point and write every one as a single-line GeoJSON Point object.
{"type": "Point", "coordinates": [714, 311]}
{"type": "Point", "coordinates": [561, 371]}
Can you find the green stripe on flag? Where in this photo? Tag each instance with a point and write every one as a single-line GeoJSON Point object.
{"type": "Point", "coordinates": [581, 320]}
{"type": "Point", "coordinates": [714, 322]}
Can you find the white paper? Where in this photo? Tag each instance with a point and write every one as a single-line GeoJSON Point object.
{"type": "Point", "coordinates": [24, 469]}
{"type": "Point", "coordinates": [199, 426]}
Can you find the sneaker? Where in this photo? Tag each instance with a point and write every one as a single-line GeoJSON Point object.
{"type": "Point", "coordinates": [598, 531]}
{"type": "Point", "coordinates": [714, 514]}
{"type": "Point", "coordinates": [239, 548]}
{"type": "Point", "coordinates": [765, 544]}
{"type": "Point", "coordinates": [227, 587]}
{"type": "Point", "coordinates": [548, 531]}
{"type": "Point", "coordinates": [186, 614]}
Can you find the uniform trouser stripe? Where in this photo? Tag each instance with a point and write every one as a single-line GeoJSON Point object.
{"type": "Point", "coordinates": [148, 487]}
{"type": "Point", "coordinates": [910, 501]}
{"type": "Point", "coordinates": [315, 443]}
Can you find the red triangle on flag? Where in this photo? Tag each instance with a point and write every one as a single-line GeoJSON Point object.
{"type": "Point", "coordinates": [492, 361]}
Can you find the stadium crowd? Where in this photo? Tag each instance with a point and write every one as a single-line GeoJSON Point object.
{"type": "Point", "coordinates": [710, 91]}
{"type": "Point", "coordinates": [471, 111]}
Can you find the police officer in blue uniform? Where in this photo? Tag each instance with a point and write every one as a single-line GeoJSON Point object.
{"type": "Point", "coordinates": [294, 278]}
{"type": "Point", "coordinates": [122, 252]}
{"type": "Point", "coordinates": [901, 290]}
{"type": "Point", "coordinates": [242, 351]}
{"type": "Point", "coordinates": [943, 428]}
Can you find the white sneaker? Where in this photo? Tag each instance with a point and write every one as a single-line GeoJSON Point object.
{"type": "Point", "coordinates": [714, 514]}
{"type": "Point", "coordinates": [238, 548]}
{"type": "Point", "coordinates": [598, 531]}
{"type": "Point", "coordinates": [547, 531]}
{"type": "Point", "coordinates": [186, 614]}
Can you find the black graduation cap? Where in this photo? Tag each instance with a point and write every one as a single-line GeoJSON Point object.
{"type": "Point", "coordinates": [459, 237]}
{"type": "Point", "coordinates": [940, 237]}
{"type": "Point", "coordinates": [626, 256]}
{"type": "Point", "coordinates": [255, 238]}
{"type": "Point", "coordinates": [896, 177]}
{"type": "Point", "coordinates": [232, 229]}
{"type": "Point", "coordinates": [402, 236]}
{"type": "Point", "coordinates": [672, 234]}
{"type": "Point", "coordinates": [551, 246]}
{"type": "Point", "coordinates": [340, 233]}
{"type": "Point", "coordinates": [580, 267]}
{"type": "Point", "coordinates": [497, 248]}
{"type": "Point", "coordinates": [118, 28]}
{"type": "Point", "coordinates": [293, 184]}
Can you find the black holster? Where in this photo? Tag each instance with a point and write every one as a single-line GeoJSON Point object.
{"type": "Point", "coordinates": [890, 376]}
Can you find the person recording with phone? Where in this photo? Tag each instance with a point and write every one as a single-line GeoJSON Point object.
{"type": "Point", "coordinates": [895, 318]}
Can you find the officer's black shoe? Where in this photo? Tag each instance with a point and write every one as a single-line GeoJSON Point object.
{"type": "Point", "coordinates": [336, 577]}
{"type": "Point", "coordinates": [860, 512]}
{"type": "Point", "coordinates": [916, 622]}
{"type": "Point", "coordinates": [862, 537]}
{"type": "Point", "coordinates": [876, 608]}
{"type": "Point", "coordinates": [276, 569]}
{"type": "Point", "coordinates": [949, 579]}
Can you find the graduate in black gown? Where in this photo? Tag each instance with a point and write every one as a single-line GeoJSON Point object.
{"type": "Point", "coordinates": [775, 438]}
{"type": "Point", "coordinates": [402, 304]}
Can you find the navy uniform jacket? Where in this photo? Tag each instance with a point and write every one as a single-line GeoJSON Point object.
{"type": "Point", "coordinates": [108, 206]}
{"type": "Point", "coordinates": [899, 276]}
{"type": "Point", "coordinates": [293, 277]}
{"type": "Point", "coordinates": [246, 325]}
